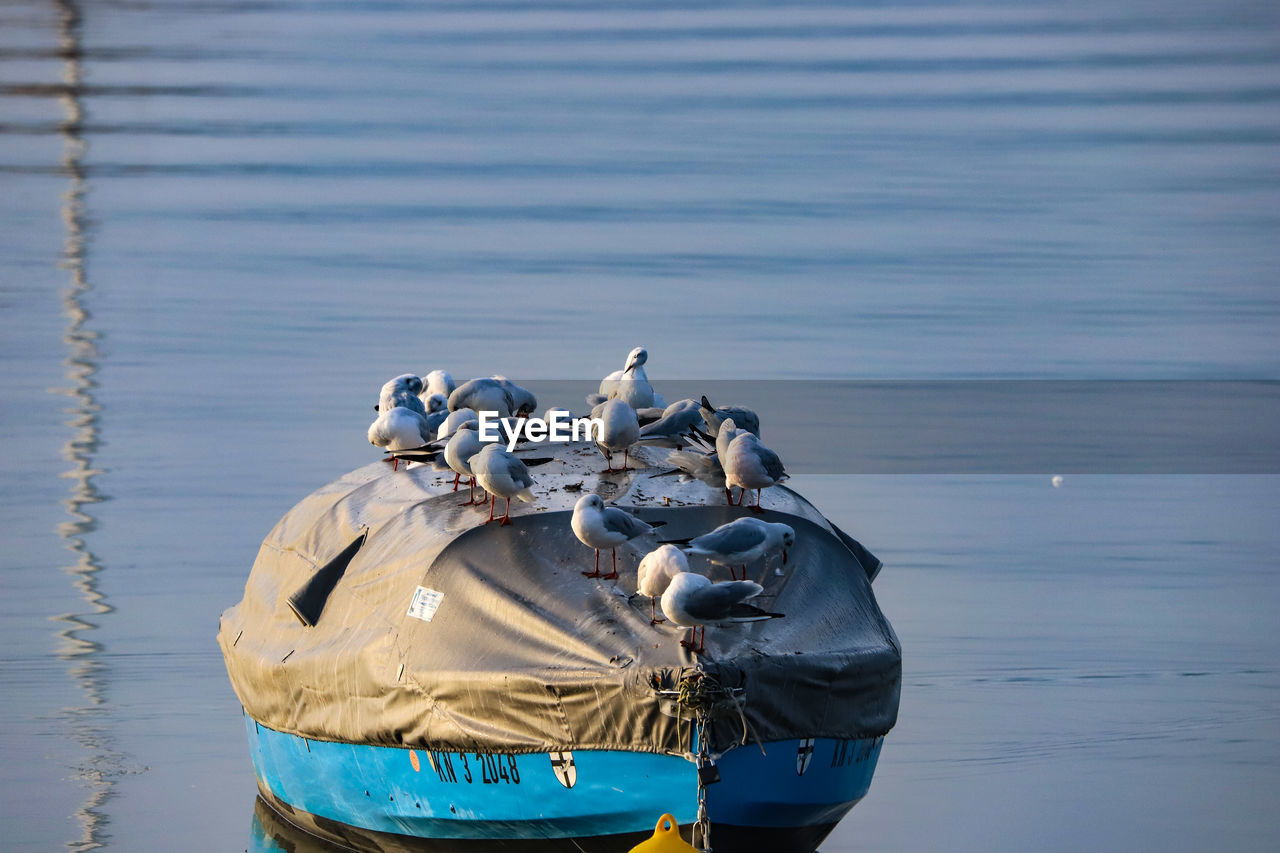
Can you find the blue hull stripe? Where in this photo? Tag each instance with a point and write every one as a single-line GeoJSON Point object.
{"type": "Point", "coordinates": [454, 795]}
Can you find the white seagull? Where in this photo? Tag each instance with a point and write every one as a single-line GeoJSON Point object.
{"type": "Point", "coordinates": [455, 420]}
{"type": "Point", "coordinates": [399, 428]}
{"type": "Point", "coordinates": [523, 402]}
{"type": "Point", "coordinates": [656, 571]}
{"type": "Point", "coordinates": [743, 541]}
{"type": "Point", "coordinates": [500, 473]}
{"type": "Point", "coordinates": [621, 430]}
{"type": "Point", "coordinates": [750, 465]}
{"type": "Point", "coordinates": [463, 444]}
{"type": "Point", "coordinates": [633, 385]}
{"type": "Point", "coordinates": [692, 601]}
{"type": "Point", "coordinates": [598, 526]}
{"type": "Point", "coordinates": [402, 391]}
{"type": "Point", "coordinates": [484, 395]}
{"type": "Point", "coordinates": [438, 382]}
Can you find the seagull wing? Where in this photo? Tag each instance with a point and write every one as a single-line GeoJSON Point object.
{"type": "Point", "coordinates": [729, 539]}
{"type": "Point", "coordinates": [621, 521]}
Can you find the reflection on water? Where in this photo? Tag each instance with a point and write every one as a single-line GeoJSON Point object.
{"type": "Point", "coordinates": [81, 653]}
{"type": "Point", "coordinates": [269, 833]}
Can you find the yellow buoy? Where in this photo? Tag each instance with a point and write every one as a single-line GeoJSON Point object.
{"type": "Point", "coordinates": [666, 839]}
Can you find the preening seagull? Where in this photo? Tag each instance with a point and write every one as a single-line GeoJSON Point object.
{"type": "Point", "coordinates": [598, 526]}
{"type": "Point", "coordinates": [455, 420]}
{"type": "Point", "coordinates": [743, 541]}
{"type": "Point", "coordinates": [656, 571]}
{"type": "Point", "coordinates": [523, 403]}
{"type": "Point", "coordinates": [751, 465]}
{"type": "Point", "coordinates": [401, 391]}
{"type": "Point", "coordinates": [500, 473]}
{"type": "Point", "coordinates": [437, 410]}
{"type": "Point", "coordinates": [633, 386]}
{"type": "Point", "coordinates": [399, 428]}
{"type": "Point", "coordinates": [438, 382]}
{"type": "Point", "coordinates": [485, 394]}
{"type": "Point", "coordinates": [692, 601]}
{"type": "Point", "coordinates": [621, 430]}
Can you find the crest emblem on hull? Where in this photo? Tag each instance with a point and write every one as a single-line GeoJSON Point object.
{"type": "Point", "coordinates": [803, 755]}
{"type": "Point", "coordinates": [564, 768]}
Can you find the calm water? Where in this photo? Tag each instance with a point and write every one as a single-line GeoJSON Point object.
{"type": "Point", "coordinates": [224, 224]}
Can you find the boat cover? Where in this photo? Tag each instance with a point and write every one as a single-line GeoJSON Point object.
{"type": "Point", "coordinates": [446, 633]}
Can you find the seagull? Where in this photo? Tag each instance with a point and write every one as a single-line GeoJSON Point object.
{"type": "Point", "coordinates": [455, 420]}
{"type": "Point", "coordinates": [607, 386]}
{"type": "Point", "coordinates": [484, 395]}
{"type": "Point", "coordinates": [500, 473]}
{"type": "Point", "coordinates": [692, 465]}
{"type": "Point", "coordinates": [743, 417]}
{"type": "Point", "coordinates": [742, 541]}
{"type": "Point", "coordinates": [399, 428]}
{"type": "Point", "coordinates": [692, 601]}
{"type": "Point", "coordinates": [725, 434]}
{"type": "Point", "coordinates": [437, 410]}
{"type": "Point", "coordinates": [621, 430]}
{"type": "Point", "coordinates": [675, 428]}
{"type": "Point", "coordinates": [523, 403]}
{"type": "Point", "coordinates": [633, 386]}
{"type": "Point", "coordinates": [748, 464]}
{"type": "Point", "coordinates": [656, 571]}
{"type": "Point", "coordinates": [598, 526]}
{"type": "Point", "coordinates": [401, 391]}
{"type": "Point", "coordinates": [438, 382]}
{"type": "Point", "coordinates": [463, 444]}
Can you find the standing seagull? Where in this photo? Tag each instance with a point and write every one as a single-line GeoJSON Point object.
{"type": "Point", "coordinates": [633, 386]}
{"type": "Point", "coordinates": [748, 464]}
{"type": "Point", "coordinates": [691, 601]}
{"type": "Point", "coordinates": [500, 473]}
{"type": "Point", "coordinates": [743, 541]}
{"type": "Point", "coordinates": [621, 430]}
{"type": "Point", "coordinates": [463, 444]}
{"type": "Point", "coordinates": [656, 571]}
{"type": "Point", "coordinates": [598, 526]}
{"type": "Point", "coordinates": [399, 428]}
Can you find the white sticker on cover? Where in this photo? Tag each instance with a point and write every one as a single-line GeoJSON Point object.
{"type": "Point", "coordinates": [425, 603]}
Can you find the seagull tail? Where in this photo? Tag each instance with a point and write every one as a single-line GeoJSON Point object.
{"type": "Point", "coordinates": [525, 495]}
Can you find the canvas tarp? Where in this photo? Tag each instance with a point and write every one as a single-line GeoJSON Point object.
{"type": "Point", "coordinates": [526, 654]}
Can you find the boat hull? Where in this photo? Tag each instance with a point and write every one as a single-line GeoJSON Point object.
{"type": "Point", "coordinates": [390, 798]}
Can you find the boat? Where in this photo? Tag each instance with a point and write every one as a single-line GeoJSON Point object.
{"type": "Point", "coordinates": [414, 678]}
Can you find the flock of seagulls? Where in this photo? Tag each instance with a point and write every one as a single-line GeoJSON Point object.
{"type": "Point", "coordinates": [435, 421]}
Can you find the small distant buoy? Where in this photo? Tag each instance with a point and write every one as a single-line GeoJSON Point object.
{"type": "Point", "coordinates": [666, 839]}
{"type": "Point", "coordinates": [1057, 481]}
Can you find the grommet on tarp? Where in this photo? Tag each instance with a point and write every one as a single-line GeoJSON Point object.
{"type": "Point", "coordinates": [308, 602]}
{"type": "Point", "coordinates": [666, 839]}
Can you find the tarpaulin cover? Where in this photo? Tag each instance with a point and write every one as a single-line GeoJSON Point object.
{"type": "Point", "coordinates": [521, 652]}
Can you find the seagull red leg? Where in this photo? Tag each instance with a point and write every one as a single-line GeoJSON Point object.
{"type": "Point", "coordinates": [613, 574]}
{"type": "Point", "coordinates": [506, 512]}
{"type": "Point", "coordinates": [596, 573]}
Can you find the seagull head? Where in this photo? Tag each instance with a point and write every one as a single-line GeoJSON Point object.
{"type": "Point", "coordinates": [635, 358]}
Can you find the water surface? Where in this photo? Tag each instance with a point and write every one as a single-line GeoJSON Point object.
{"type": "Point", "coordinates": [224, 224]}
